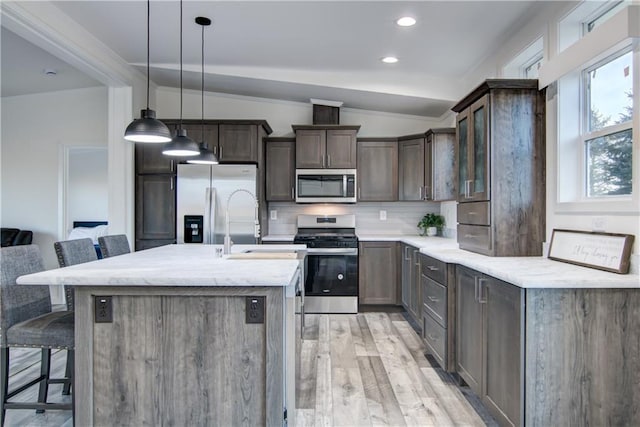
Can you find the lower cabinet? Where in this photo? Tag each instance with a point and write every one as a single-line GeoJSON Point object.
{"type": "Point", "coordinates": [411, 287]}
{"type": "Point", "coordinates": [490, 342]}
{"type": "Point", "coordinates": [378, 273]}
{"type": "Point", "coordinates": [437, 322]}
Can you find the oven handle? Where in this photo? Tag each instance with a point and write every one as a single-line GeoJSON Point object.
{"type": "Point", "coordinates": [332, 251]}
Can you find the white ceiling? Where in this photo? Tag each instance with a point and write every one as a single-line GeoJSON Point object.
{"type": "Point", "coordinates": [292, 50]}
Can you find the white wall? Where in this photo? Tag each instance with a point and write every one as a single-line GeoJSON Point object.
{"type": "Point", "coordinates": [282, 114]}
{"type": "Point", "coordinates": [34, 130]}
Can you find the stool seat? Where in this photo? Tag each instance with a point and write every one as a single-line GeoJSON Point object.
{"type": "Point", "coordinates": [50, 330]}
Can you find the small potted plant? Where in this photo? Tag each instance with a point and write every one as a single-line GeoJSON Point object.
{"type": "Point", "coordinates": [430, 224]}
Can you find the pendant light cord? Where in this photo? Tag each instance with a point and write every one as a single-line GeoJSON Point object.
{"type": "Point", "coordinates": [202, 100]}
{"type": "Point", "coordinates": [180, 64]}
{"type": "Point", "coordinates": [148, 37]}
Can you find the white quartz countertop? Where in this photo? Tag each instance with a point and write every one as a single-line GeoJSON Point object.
{"type": "Point", "coordinates": [278, 238]}
{"type": "Point", "coordinates": [175, 265]}
{"type": "Point", "coordinates": [525, 272]}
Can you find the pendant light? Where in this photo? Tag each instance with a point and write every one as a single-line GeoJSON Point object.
{"type": "Point", "coordinates": [147, 128]}
{"type": "Point", "coordinates": [181, 144]}
{"type": "Point", "coordinates": [206, 156]}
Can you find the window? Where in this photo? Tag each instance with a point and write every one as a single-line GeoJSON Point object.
{"type": "Point", "coordinates": [531, 69]}
{"type": "Point", "coordinates": [602, 15]}
{"type": "Point", "coordinates": [607, 134]}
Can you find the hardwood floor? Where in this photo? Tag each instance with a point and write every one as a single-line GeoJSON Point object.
{"type": "Point", "coordinates": [356, 370]}
{"type": "Point", "coordinates": [369, 370]}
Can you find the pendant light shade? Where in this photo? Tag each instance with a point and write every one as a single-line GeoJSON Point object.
{"type": "Point", "coordinates": [181, 144]}
{"type": "Point", "coordinates": [206, 156]}
{"type": "Point", "coordinates": [147, 128]}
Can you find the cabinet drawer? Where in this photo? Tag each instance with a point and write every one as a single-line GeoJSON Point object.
{"type": "Point", "coordinates": [474, 237]}
{"type": "Point", "coordinates": [434, 297]}
{"type": "Point", "coordinates": [476, 213]}
{"type": "Point", "coordinates": [433, 268]}
{"type": "Point", "coordinates": [435, 337]}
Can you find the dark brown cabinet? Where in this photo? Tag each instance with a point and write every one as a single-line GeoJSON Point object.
{"type": "Point", "coordinates": [238, 143]}
{"type": "Point", "coordinates": [490, 340]}
{"type": "Point", "coordinates": [378, 273]}
{"type": "Point", "coordinates": [280, 169]}
{"type": "Point", "coordinates": [411, 168]}
{"type": "Point", "coordinates": [427, 166]}
{"type": "Point", "coordinates": [411, 287]}
{"type": "Point", "coordinates": [156, 207]}
{"type": "Point", "coordinates": [320, 147]}
{"type": "Point", "coordinates": [501, 169]}
{"type": "Point", "coordinates": [377, 170]}
{"type": "Point", "coordinates": [437, 314]}
{"type": "Point", "coordinates": [149, 159]}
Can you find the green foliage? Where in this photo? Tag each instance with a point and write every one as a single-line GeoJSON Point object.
{"type": "Point", "coordinates": [431, 220]}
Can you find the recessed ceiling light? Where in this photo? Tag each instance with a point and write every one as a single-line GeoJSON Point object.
{"type": "Point", "coordinates": [389, 59]}
{"type": "Point", "coordinates": [406, 21]}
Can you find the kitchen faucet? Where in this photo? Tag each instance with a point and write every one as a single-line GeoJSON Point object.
{"type": "Point", "coordinates": [227, 234]}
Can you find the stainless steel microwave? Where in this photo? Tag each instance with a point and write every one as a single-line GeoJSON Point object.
{"type": "Point", "coordinates": [325, 185]}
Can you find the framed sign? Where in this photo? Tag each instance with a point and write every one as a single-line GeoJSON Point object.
{"type": "Point", "coordinates": [602, 251]}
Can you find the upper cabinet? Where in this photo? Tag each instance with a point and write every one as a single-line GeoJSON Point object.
{"type": "Point", "coordinates": [233, 141]}
{"type": "Point", "coordinates": [280, 168]}
{"type": "Point", "coordinates": [377, 170]}
{"type": "Point", "coordinates": [501, 168]}
{"type": "Point", "coordinates": [149, 159]}
{"type": "Point", "coordinates": [427, 166]}
{"type": "Point", "coordinates": [325, 146]}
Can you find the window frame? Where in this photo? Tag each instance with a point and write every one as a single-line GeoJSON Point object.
{"type": "Point", "coordinates": [586, 135]}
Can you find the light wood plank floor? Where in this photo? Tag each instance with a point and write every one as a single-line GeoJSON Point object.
{"type": "Point", "coordinates": [356, 370]}
{"type": "Point", "coordinates": [369, 370]}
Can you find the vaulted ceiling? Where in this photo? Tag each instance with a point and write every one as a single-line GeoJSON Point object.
{"type": "Point", "coordinates": [291, 50]}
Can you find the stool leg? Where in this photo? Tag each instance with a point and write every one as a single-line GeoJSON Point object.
{"type": "Point", "coordinates": [45, 370]}
{"type": "Point", "coordinates": [4, 377]}
{"type": "Point", "coordinates": [68, 373]}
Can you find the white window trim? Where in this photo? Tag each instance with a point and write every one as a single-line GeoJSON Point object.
{"type": "Point", "coordinates": [571, 184]}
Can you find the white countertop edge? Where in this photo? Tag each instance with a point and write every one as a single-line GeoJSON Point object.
{"type": "Point", "coordinates": [524, 272]}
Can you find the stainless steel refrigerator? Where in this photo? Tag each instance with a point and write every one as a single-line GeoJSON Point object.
{"type": "Point", "coordinates": [202, 195]}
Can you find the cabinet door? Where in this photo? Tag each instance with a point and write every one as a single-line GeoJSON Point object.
{"type": "Point", "coordinates": [443, 167]}
{"type": "Point", "coordinates": [155, 207]}
{"type": "Point", "coordinates": [210, 135]}
{"type": "Point", "coordinates": [377, 171]}
{"type": "Point", "coordinates": [280, 170]}
{"type": "Point", "coordinates": [238, 143]}
{"type": "Point", "coordinates": [411, 169]}
{"type": "Point", "coordinates": [149, 159]}
{"type": "Point", "coordinates": [462, 154]}
{"type": "Point", "coordinates": [341, 149]}
{"type": "Point", "coordinates": [503, 347]}
{"type": "Point", "coordinates": [479, 160]}
{"type": "Point", "coordinates": [377, 273]}
{"type": "Point", "coordinates": [311, 148]}
{"type": "Point", "coordinates": [469, 328]}
{"type": "Point", "coordinates": [428, 168]}
{"type": "Point", "coordinates": [406, 275]}
{"type": "Point", "coordinates": [415, 304]}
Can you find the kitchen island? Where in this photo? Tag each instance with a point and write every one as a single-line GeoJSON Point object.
{"type": "Point", "coordinates": [174, 335]}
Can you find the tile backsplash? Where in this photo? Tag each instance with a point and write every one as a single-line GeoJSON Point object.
{"type": "Point", "coordinates": [401, 217]}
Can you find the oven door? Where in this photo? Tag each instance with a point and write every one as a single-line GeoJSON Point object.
{"type": "Point", "coordinates": [332, 272]}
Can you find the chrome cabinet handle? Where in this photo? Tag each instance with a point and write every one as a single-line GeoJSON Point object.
{"type": "Point", "coordinates": [415, 251]}
{"type": "Point", "coordinates": [406, 256]}
{"type": "Point", "coordinates": [323, 161]}
{"type": "Point", "coordinates": [293, 194]}
{"type": "Point", "coordinates": [470, 236]}
{"type": "Point", "coordinates": [481, 299]}
{"type": "Point", "coordinates": [329, 160]}
{"type": "Point", "coordinates": [432, 268]}
{"type": "Point", "coordinates": [420, 193]}
{"type": "Point", "coordinates": [220, 152]}
{"type": "Point", "coordinates": [432, 337]}
{"type": "Point", "coordinates": [432, 299]}
{"type": "Point", "coordinates": [171, 166]}
{"type": "Point", "coordinates": [475, 288]}
{"type": "Point", "coordinates": [171, 184]}
{"type": "Point", "coordinates": [467, 189]}
{"type": "Point", "coordinates": [359, 193]}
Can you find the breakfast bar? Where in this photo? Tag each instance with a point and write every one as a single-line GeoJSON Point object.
{"type": "Point", "coordinates": [175, 335]}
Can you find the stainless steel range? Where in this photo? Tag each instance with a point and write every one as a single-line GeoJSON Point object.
{"type": "Point", "coordinates": [331, 285]}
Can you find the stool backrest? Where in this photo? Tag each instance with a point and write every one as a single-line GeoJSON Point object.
{"type": "Point", "coordinates": [116, 244]}
{"type": "Point", "coordinates": [72, 252]}
{"type": "Point", "coordinates": [20, 302]}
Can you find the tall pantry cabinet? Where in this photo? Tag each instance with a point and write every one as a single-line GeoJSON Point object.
{"type": "Point", "coordinates": [500, 135]}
